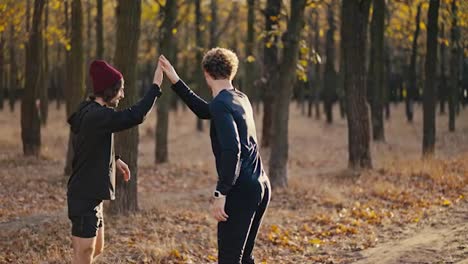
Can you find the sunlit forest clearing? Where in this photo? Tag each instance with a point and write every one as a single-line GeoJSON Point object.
{"type": "Point", "coordinates": [326, 214]}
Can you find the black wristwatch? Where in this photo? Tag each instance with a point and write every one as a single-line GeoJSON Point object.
{"type": "Point", "coordinates": [217, 194]}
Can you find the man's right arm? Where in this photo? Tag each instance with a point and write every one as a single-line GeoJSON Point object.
{"type": "Point", "coordinates": [115, 121]}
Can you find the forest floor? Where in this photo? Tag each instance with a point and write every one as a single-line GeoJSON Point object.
{"type": "Point", "coordinates": [405, 210]}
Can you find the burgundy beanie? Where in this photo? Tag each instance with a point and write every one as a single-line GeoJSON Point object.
{"type": "Point", "coordinates": [103, 75]}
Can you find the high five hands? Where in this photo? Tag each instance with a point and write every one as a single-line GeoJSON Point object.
{"type": "Point", "coordinates": [168, 69]}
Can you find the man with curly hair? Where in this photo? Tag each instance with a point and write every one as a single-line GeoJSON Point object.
{"type": "Point", "coordinates": [243, 190]}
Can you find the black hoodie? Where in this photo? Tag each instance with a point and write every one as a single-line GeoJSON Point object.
{"type": "Point", "coordinates": [92, 126]}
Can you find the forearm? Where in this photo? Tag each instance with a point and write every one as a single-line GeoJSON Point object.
{"type": "Point", "coordinates": [229, 171]}
{"type": "Point", "coordinates": [198, 106]}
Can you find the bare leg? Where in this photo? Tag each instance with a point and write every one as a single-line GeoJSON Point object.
{"type": "Point", "coordinates": [99, 242]}
{"type": "Point", "coordinates": [83, 249]}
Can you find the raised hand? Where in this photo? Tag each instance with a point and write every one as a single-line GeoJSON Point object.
{"type": "Point", "coordinates": [168, 69]}
{"type": "Point", "coordinates": [158, 75]}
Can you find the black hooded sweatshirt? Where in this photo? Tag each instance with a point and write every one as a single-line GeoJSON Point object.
{"type": "Point", "coordinates": [92, 126]}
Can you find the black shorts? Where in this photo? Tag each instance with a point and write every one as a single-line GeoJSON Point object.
{"type": "Point", "coordinates": [86, 217]}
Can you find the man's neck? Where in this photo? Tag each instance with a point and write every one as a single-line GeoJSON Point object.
{"type": "Point", "coordinates": [218, 85]}
{"type": "Point", "coordinates": [100, 101]}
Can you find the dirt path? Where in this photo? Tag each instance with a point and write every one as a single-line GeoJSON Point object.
{"type": "Point", "coordinates": [444, 240]}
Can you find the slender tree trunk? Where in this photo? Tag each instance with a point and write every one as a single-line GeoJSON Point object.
{"type": "Point", "coordinates": [99, 31]}
{"type": "Point", "coordinates": [386, 81]}
{"type": "Point", "coordinates": [89, 45]}
{"type": "Point", "coordinates": [270, 66]}
{"type": "Point", "coordinates": [412, 88]}
{"type": "Point", "coordinates": [28, 15]}
{"type": "Point", "coordinates": [454, 66]}
{"type": "Point", "coordinates": [3, 87]}
{"type": "Point", "coordinates": [443, 77]}
{"type": "Point", "coordinates": [167, 47]}
{"type": "Point", "coordinates": [249, 53]}
{"type": "Point", "coordinates": [128, 33]}
{"type": "Point", "coordinates": [30, 123]}
{"type": "Point", "coordinates": [330, 72]}
{"type": "Point", "coordinates": [214, 23]}
{"type": "Point", "coordinates": [75, 71]}
{"type": "Point", "coordinates": [44, 92]}
{"type": "Point", "coordinates": [429, 130]}
{"type": "Point", "coordinates": [13, 85]}
{"type": "Point", "coordinates": [318, 80]}
{"type": "Point", "coordinates": [355, 15]}
{"type": "Point", "coordinates": [199, 55]}
{"type": "Point", "coordinates": [283, 91]}
{"type": "Point", "coordinates": [376, 72]}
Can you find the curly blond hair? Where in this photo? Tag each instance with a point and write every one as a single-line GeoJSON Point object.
{"type": "Point", "coordinates": [220, 63]}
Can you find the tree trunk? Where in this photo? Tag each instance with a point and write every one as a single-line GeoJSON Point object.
{"type": "Point", "coordinates": [283, 91]}
{"type": "Point", "coordinates": [454, 66]}
{"type": "Point", "coordinates": [199, 56]}
{"type": "Point", "coordinates": [44, 92]}
{"type": "Point", "coordinates": [75, 71]}
{"type": "Point", "coordinates": [330, 72]}
{"type": "Point", "coordinates": [318, 80]}
{"type": "Point", "coordinates": [13, 85]}
{"type": "Point", "coordinates": [355, 15]}
{"type": "Point", "coordinates": [270, 66]}
{"type": "Point", "coordinates": [429, 130]}
{"type": "Point", "coordinates": [3, 86]}
{"type": "Point", "coordinates": [214, 23]}
{"type": "Point", "coordinates": [443, 77]}
{"type": "Point", "coordinates": [166, 46]}
{"type": "Point", "coordinates": [376, 72]}
{"type": "Point", "coordinates": [128, 33]}
{"type": "Point", "coordinates": [412, 89]}
{"type": "Point", "coordinates": [99, 31]}
{"type": "Point", "coordinates": [30, 123]}
{"type": "Point", "coordinates": [250, 70]}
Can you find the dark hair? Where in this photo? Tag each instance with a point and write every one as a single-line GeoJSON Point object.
{"type": "Point", "coordinates": [220, 63]}
{"type": "Point", "coordinates": [108, 93]}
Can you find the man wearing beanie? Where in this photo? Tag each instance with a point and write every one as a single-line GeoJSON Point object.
{"type": "Point", "coordinates": [94, 161]}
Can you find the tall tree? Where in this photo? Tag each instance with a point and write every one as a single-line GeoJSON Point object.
{"type": "Point", "coordinates": [317, 79]}
{"type": "Point", "coordinates": [13, 85]}
{"type": "Point", "coordinates": [167, 47]}
{"type": "Point", "coordinates": [249, 78]}
{"type": "Point", "coordinates": [412, 87]}
{"type": "Point", "coordinates": [376, 69]}
{"type": "Point", "coordinates": [3, 87]}
{"type": "Point", "coordinates": [75, 71]}
{"type": "Point", "coordinates": [355, 15]}
{"type": "Point", "coordinates": [330, 75]}
{"type": "Point", "coordinates": [283, 91]}
{"type": "Point", "coordinates": [429, 130]}
{"type": "Point", "coordinates": [44, 90]}
{"type": "Point", "coordinates": [128, 15]}
{"type": "Point", "coordinates": [199, 43]}
{"type": "Point", "coordinates": [214, 23]}
{"type": "Point", "coordinates": [455, 51]}
{"type": "Point", "coordinates": [99, 31]}
{"type": "Point", "coordinates": [30, 123]}
{"type": "Point", "coordinates": [270, 66]}
{"type": "Point", "coordinates": [442, 93]}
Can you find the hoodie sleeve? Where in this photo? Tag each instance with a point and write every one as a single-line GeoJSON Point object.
{"type": "Point", "coordinates": [228, 136]}
{"type": "Point", "coordinates": [198, 106]}
{"type": "Point", "coordinates": [115, 121]}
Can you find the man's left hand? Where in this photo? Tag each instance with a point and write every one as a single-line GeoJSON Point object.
{"type": "Point", "coordinates": [217, 209]}
{"type": "Point", "coordinates": [123, 168]}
